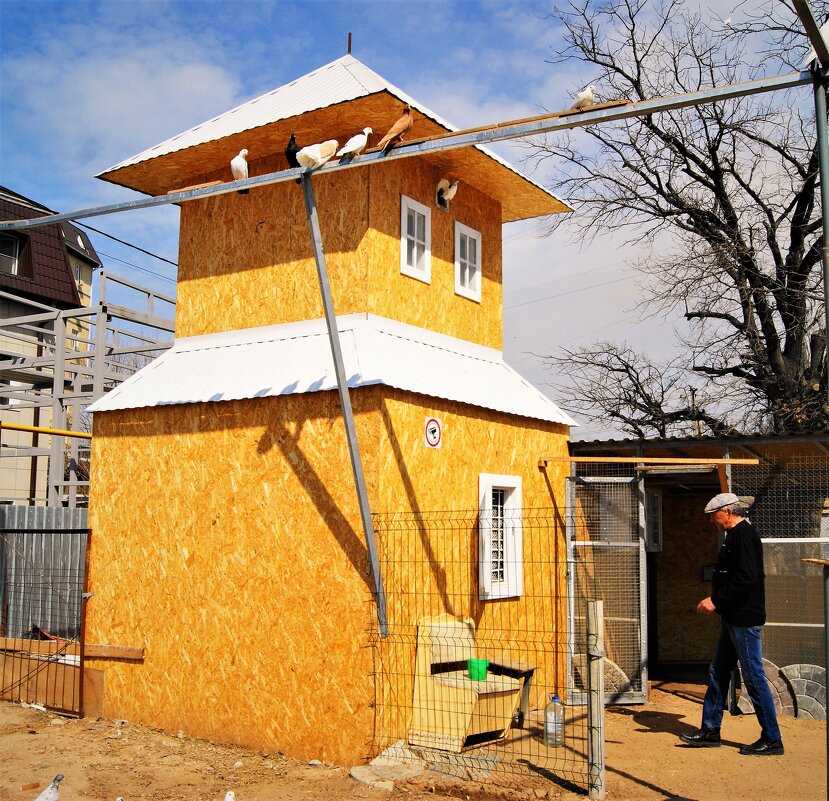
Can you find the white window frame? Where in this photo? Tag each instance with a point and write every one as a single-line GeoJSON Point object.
{"type": "Point", "coordinates": [13, 260]}
{"type": "Point", "coordinates": [424, 273]}
{"type": "Point", "coordinates": [502, 533]}
{"type": "Point", "coordinates": [473, 292]}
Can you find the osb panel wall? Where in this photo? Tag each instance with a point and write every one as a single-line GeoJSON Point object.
{"type": "Point", "coordinates": [435, 306]}
{"type": "Point", "coordinates": [688, 543]}
{"type": "Point", "coordinates": [247, 260]}
{"type": "Point", "coordinates": [227, 543]}
{"type": "Point", "coordinates": [434, 569]}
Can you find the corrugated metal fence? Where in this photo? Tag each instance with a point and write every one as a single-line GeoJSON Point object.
{"type": "Point", "coordinates": [42, 577]}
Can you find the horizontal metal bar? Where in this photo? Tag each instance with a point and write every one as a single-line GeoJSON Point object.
{"type": "Point", "coordinates": [794, 625]}
{"type": "Point", "coordinates": [41, 430]}
{"type": "Point", "coordinates": [457, 139]}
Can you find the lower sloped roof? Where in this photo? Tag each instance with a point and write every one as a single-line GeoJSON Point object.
{"type": "Point", "coordinates": [296, 358]}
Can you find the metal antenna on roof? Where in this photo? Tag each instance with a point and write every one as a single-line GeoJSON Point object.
{"type": "Point", "coordinates": [349, 43]}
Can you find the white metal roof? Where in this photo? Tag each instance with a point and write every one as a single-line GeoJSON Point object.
{"type": "Point", "coordinates": [296, 358]}
{"type": "Point", "coordinates": [341, 80]}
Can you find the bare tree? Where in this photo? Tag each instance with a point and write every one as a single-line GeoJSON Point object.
{"type": "Point", "coordinates": [735, 183]}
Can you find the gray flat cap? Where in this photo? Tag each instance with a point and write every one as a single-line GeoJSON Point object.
{"type": "Point", "coordinates": [720, 501]}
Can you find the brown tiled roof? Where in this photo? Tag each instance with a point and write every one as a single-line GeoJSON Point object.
{"type": "Point", "coordinates": [44, 273]}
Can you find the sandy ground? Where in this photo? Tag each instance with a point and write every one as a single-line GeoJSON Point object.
{"type": "Point", "coordinates": [103, 759]}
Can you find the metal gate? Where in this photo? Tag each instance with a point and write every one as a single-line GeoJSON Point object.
{"type": "Point", "coordinates": [606, 561]}
{"type": "Point", "coordinates": [42, 577]}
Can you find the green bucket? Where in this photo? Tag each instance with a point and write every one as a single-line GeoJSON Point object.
{"type": "Point", "coordinates": [477, 669]}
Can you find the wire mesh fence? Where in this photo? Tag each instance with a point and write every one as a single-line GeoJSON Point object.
{"type": "Point", "coordinates": [477, 644]}
{"type": "Point", "coordinates": [42, 574]}
{"type": "Point", "coordinates": [789, 509]}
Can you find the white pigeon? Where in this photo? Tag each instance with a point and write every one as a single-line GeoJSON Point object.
{"type": "Point", "coordinates": [51, 792]}
{"type": "Point", "coordinates": [354, 146]}
{"type": "Point", "coordinates": [445, 192]}
{"type": "Point", "coordinates": [239, 168]}
{"type": "Point", "coordinates": [316, 155]}
{"type": "Point", "coordinates": [230, 796]}
{"type": "Point", "coordinates": [583, 99]}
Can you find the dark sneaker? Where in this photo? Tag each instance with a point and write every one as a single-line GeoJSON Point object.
{"type": "Point", "coordinates": [763, 748]}
{"type": "Point", "coordinates": [704, 738]}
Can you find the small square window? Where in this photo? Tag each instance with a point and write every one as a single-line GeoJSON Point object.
{"type": "Point", "coordinates": [467, 262]}
{"type": "Point", "coordinates": [415, 240]}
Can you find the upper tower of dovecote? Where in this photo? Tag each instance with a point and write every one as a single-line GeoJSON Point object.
{"type": "Point", "coordinates": [391, 249]}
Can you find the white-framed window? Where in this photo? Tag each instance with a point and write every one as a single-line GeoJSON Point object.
{"type": "Point", "coordinates": [415, 239]}
{"type": "Point", "coordinates": [9, 254]}
{"type": "Point", "coordinates": [653, 520]}
{"type": "Point", "coordinates": [500, 555]}
{"type": "Point", "coordinates": [467, 262]}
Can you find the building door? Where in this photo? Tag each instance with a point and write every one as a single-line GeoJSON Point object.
{"type": "Point", "coordinates": [606, 561]}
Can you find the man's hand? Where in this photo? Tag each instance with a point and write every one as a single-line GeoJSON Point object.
{"type": "Point", "coordinates": [706, 606]}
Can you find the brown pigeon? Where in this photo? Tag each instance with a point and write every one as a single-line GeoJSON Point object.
{"type": "Point", "coordinates": [396, 132]}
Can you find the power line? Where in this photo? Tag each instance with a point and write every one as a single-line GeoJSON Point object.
{"type": "Point", "coordinates": [128, 244]}
{"type": "Point", "coordinates": [571, 292]}
{"type": "Point", "coordinates": [136, 267]}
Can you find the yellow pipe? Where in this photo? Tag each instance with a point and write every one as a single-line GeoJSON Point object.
{"type": "Point", "coordinates": [41, 430]}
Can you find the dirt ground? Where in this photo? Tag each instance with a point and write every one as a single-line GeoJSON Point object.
{"type": "Point", "coordinates": [104, 759]}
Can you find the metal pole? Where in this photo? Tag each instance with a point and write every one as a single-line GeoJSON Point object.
{"type": "Point", "coordinates": [345, 402]}
{"type": "Point", "coordinates": [823, 160]}
{"type": "Point", "coordinates": [595, 706]}
{"type": "Point", "coordinates": [825, 645]}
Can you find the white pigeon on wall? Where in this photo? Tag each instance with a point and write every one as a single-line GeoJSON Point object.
{"type": "Point", "coordinates": [239, 168]}
{"type": "Point", "coordinates": [445, 192]}
{"type": "Point", "coordinates": [51, 792]}
{"type": "Point", "coordinates": [315, 156]}
{"type": "Point", "coordinates": [583, 99]}
{"type": "Point", "coordinates": [354, 146]}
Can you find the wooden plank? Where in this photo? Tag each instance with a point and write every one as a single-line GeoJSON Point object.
{"type": "Point", "coordinates": [544, 460]}
{"type": "Point", "coordinates": [113, 652]}
{"type": "Point", "coordinates": [195, 186]}
{"type": "Point", "coordinates": [494, 126]}
{"type": "Point", "coordinates": [49, 647]}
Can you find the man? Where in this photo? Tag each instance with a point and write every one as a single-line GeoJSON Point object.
{"type": "Point", "coordinates": [738, 597]}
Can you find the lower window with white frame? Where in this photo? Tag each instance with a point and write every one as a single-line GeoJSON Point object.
{"type": "Point", "coordinates": [499, 536]}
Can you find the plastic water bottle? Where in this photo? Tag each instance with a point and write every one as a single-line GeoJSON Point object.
{"type": "Point", "coordinates": [554, 722]}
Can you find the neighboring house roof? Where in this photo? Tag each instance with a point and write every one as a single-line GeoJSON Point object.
{"type": "Point", "coordinates": [44, 273]}
{"type": "Point", "coordinates": [78, 243]}
{"type": "Point", "coordinates": [335, 100]}
{"type": "Point", "coordinates": [295, 358]}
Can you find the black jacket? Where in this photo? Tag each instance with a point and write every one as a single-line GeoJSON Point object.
{"type": "Point", "coordinates": [739, 580]}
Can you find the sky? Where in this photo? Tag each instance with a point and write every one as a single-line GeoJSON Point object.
{"type": "Point", "coordinates": [84, 85]}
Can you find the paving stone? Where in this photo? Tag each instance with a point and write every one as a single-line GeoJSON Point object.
{"type": "Point", "coordinates": [365, 775]}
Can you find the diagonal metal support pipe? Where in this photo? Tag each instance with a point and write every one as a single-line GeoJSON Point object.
{"type": "Point", "coordinates": [345, 402]}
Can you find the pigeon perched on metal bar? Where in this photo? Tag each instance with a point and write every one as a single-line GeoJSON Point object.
{"type": "Point", "coordinates": [354, 146]}
{"type": "Point", "coordinates": [397, 131]}
{"type": "Point", "coordinates": [51, 792]}
{"type": "Point", "coordinates": [239, 168]}
{"type": "Point", "coordinates": [291, 151]}
{"type": "Point", "coordinates": [315, 156]}
{"type": "Point", "coordinates": [583, 99]}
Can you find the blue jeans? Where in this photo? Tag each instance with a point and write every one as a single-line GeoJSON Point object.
{"type": "Point", "coordinates": [743, 643]}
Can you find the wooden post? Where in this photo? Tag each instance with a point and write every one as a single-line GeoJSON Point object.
{"type": "Point", "coordinates": [595, 704]}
